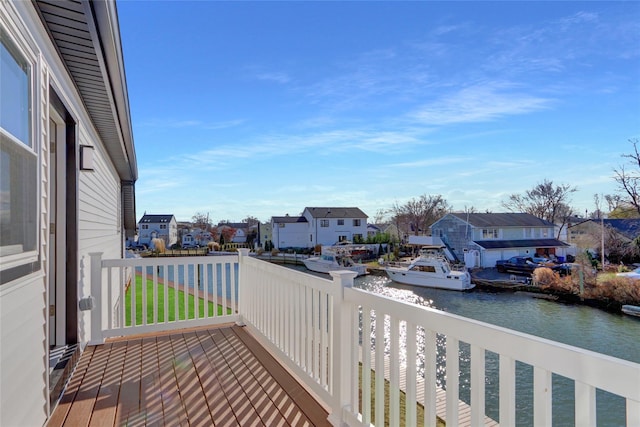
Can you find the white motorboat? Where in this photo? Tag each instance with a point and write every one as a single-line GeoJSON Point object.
{"type": "Point", "coordinates": [631, 310]}
{"type": "Point", "coordinates": [332, 259]}
{"type": "Point", "coordinates": [430, 269]}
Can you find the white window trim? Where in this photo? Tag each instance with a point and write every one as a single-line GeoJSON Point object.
{"type": "Point", "coordinates": [18, 36]}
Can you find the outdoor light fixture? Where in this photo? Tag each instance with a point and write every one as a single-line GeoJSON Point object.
{"type": "Point", "coordinates": [86, 158]}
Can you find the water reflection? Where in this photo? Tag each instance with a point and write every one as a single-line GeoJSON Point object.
{"type": "Point", "coordinates": [575, 325]}
{"type": "Point", "coordinates": [580, 326]}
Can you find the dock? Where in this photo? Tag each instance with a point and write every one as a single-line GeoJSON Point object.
{"type": "Point", "coordinates": [464, 410]}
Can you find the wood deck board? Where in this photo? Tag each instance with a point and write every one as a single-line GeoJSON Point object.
{"type": "Point", "coordinates": [302, 398]}
{"type": "Point", "coordinates": [66, 400]}
{"type": "Point", "coordinates": [104, 410]}
{"type": "Point", "coordinates": [81, 410]}
{"type": "Point", "coordinates": [253, 377]}
{"type": "Point", "coordinates": [189, 383]}
{"type": "Point", "coordinates": [232, 388]}
{"type": "Point", "coordinates": [201, 376]}
{"type": "Point", "coordinates": [173, 406]}
{"type": "Point", "coordinates": [150, 399]}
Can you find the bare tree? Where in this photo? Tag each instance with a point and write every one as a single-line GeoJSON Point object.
{"type": "Point", "coordinates": [420, 213]}
{"type": "Point", "coordinates": [251, 221]}
{"type": "Point", "coordinates": [629, 181]}
{"type": "Point", "coordinates": [546, 200]}
{"type": "Point", "coordinates": [201, 221]}
{"type": "Point", "coordinates": [380, 216]}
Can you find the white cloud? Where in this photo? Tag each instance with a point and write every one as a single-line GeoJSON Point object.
{"type": "Point", "coordinates": [431, 162]}
{"type": "Point", "coordinates": [480, 103]}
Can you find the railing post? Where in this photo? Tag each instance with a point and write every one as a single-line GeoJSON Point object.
{"type": "Point", "coordinates": [98, 300]}
{"type": "Point", "coordinates": [242, 299]}
{"type": "Point", "coordinates": [341, 371]}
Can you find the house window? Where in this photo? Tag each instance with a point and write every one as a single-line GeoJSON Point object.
{"type": "Point", "coordinates": [324, 223]}
{"type": "Point", "coordinates": [356, 223]}
{"type": "Point", "coordinates": [489, 233]}
{"type": "Point", "coordinates": [357, 238]}
{"type": "Point", "coordinates": [145, 227]}
{"type": "Point", "coordinates": [341, 222]}
{"type": "Point", "coordinates": [18, 166]}
{"type": "Point", "coordinates": [281, 224]}
{"type": "Point", "coordinates": [163, 226]}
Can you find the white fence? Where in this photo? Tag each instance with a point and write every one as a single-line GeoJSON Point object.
{"type": "Point", "coordinates": [139, 295]}
{"type": "Point", "coordinates": [328, 333]}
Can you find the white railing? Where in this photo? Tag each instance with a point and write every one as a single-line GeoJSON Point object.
{"type": "Point", "coordinates": [142, 295]}
{"type": "Point", "coordinates": [327, 333]}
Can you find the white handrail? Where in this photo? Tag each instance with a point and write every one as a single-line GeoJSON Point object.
{"type": "Point", "coordinates": [175, 292]}
{"type": "Point", "coordinates": [324, 330]}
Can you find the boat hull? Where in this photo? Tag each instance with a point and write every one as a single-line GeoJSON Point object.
{"type": "Point", "coordinates": [631, 310]}
{"type": "Point", "coordinates": [460, 282]}
{"type": "Point", "coordinates": [314, 264]}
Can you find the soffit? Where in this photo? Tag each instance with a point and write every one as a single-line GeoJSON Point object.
{"type": "Point", "coordinates": [87, 38]}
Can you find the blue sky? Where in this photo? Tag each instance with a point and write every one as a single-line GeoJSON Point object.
{"type": "Point", "coordinates": [263, 108]}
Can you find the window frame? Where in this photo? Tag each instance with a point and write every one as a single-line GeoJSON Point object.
{"type": "Point", "coordinates": [14, 266]}
{"type": "Point", "coordinates": [324, 223]}
{"type": "Point", "coordinates": [357, 222]}
{"type": "Point", "coordinates": [490, 234]}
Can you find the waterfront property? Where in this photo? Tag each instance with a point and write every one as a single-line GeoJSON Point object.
{"type": "Point", "coordinates": [324, 332]}
{"type": "Point", "coordinates": [65, 286]}
{"type": "Point", "coordinates": [495, 236]}
{"type": "Point", "coordinates": [162, 227]}
{"type": "Point", "coordinates": [319, 226]}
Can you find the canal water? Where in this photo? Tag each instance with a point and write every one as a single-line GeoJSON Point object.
{"type": "Point", "coordinates": [581, 326]}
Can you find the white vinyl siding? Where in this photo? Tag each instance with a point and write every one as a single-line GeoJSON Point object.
{"type": "Point", "coordinates": [19, 161]}
{"type": "Point", "coordinates": [23, 335]}
{"type": "Point", "coordinates": [23, 303]}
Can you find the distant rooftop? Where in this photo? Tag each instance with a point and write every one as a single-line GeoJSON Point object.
{"type": "Point", "coordinates": [506, 219]}
{"type": "Point", "coordinates": [336, 212]}
{"type": "Point", "coordinates": [148, 219]}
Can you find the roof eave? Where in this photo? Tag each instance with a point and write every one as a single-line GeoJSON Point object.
{"type": "Point", "coordinates": [103, 23]}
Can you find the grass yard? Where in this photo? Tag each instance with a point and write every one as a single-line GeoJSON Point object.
{"type": "Point", "coordinates": [174, 296]}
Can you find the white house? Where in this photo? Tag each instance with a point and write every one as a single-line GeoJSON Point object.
{"type": "Point", "coordinates": [163, 227]}
{"type": "Point", "coordinates": [319, 226]}
{"type": "Point", "coordinates": [290, 232]}
{"type": "Point", "coordinates": [480, 239]}
{"type": "Point", "coordinates": [68, 168]}
{"type": "Point", "coordinates": [196, 237]}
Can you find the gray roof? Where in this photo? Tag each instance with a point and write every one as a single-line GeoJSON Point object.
{"type": "Point", "coordinates": [507, 219]}
{"type": "Point", "coordinates": [154, 219]}
{"type": "Point", "coordinates": [524, 243]}
{"type": "Point", "coordinates": [288, 219]}
{"type": "Point", "coordinates": [628, 227]}
{"type": "Point", "coordinates": [336, 212]}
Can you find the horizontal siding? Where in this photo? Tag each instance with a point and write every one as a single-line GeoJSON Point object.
{"type": "Point", "coordinates": [22, 352]}
{"type": "Point", "coordinates": [23, 305]}
{"type": "Point", "coordinates": [98, 218]}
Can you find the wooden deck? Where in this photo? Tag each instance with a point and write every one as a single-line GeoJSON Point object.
{"type": "Point", "coordinates": [205, 377]}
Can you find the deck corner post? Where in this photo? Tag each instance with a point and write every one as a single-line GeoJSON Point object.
{"type": "Point", "coordinates": [96, 292]}
{"type": "Point", "coordinates": [342, 372]}
{"type": "Point", "coordinates": [242, 286]}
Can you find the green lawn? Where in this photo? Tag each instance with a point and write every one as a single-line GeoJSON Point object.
{"type": "Point", "coordinates": [172, 297]}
